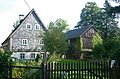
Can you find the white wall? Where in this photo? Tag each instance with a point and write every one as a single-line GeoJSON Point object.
{"type": "Point", "coordinates": [27, 54]}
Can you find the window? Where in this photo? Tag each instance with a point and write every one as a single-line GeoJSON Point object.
{"type": "Point", "coordinates": [32, 55]}
{"type": "Point", "coordinates": [91, 30]}
{"type": "Point", "coordinates": [24, 41]}
{"type": "Point", "coordinates": [22, 56]}
{"type": "Point", "coordinates": [37, 27]}
{"type": "Point", "coordinates": [28, 26]}
{"type": "Point", "coordinates": [41, 42]}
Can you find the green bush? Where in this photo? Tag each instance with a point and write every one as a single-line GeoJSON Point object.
{"type": "Point", "coordinates": [25, 72]}
{"type": "Point", "coordinates": [4, 61]}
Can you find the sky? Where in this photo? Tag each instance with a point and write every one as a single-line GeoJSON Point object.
{"type": "Point", "coordinates": [48, 10]}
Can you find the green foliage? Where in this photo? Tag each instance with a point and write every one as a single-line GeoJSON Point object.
{"type": "Point", "coordinates": [89, 15]}
{"type": "Point", "coordinates": [37, 58]}
{"type": "Point", "coordinates": [108, 49]}
{"type": "Point", "coordinates": [4, 61]}
{"type": "Point", "coordinates": [26, 63]}
{"type": "Point", "coordinates": [81, 44]}
{"type": "Point", "coordinates": [99, 18]}
{"type": "Point", "coordinates": [54, 38]}
{"type": "Point", "coordinates": [111, 46]}
{"type": "Point", "coordinates": [77, 44]}
{"type": "Point", "coordinates": [110, 23]}
{"type": "Point", "coordinates": [116, 9]}
{"type": "Point", "coordinates": [116, 1]}
{"type": "Point", "coordinates": [96, 40]}
{"type": "Point", "coordinates": [26, 73]}
{"type": "Point", "coordinates": [116, 55]}
{"type": "Point", "coordinates": [53, 58]}
{"type": "Point", "coordinates": [98, 51]}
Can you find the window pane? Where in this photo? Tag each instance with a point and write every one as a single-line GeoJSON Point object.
{"type": "Point", "coordinates": [22, 56]}
{"type": "Point", "coordinates": [32, 55]}
{"type": "Point", "coordinates": [37, 26]}
{"type": "Point", "coordinates": [24, 41]}
{"type": "Point", "coordinates": [28, 26]}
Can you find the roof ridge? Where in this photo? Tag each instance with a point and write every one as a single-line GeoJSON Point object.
{"type": "Point", "coordinates": [32, 10]}
{"type": "Point", "coordinates": [77, 32]}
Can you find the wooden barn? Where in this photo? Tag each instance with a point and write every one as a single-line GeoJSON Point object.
{"type": "Point", "coordinates": [81, 40]}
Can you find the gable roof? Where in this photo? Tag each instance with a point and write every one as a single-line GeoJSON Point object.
{"type": "Point", "coordinates": [36, 17]}
{"type": "Point", "coordinates": [77, 32]}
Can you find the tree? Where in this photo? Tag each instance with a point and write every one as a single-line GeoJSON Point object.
{"type": "Point", "coordinates": [88, 14]}
{"type": "Point", "coordinates": [16, 24]}
{"type": "Point", "coordinates": [108, 49]}
{"type": "Point", "coordinates": [110, 23]}
{"type": "Point", "coordinates": [116, 9]}
{"type": "Point", "coordinates": [4, 61]}
{"type": "Point", "coordinates": [54, 39]}
{"type": "Point", "coordinates": [96, 40]}
{"type": "Point", "coordinates": [99, 18]}
{"type": "Point", "coordinates": [116, 1]}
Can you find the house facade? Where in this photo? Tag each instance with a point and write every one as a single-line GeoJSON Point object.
{"type": "Point", "coordinates": [81, 40]}
{"type": "Point", "coordinates": [25, 41]}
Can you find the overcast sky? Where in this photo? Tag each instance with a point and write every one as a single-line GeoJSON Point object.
{"type": "Point", "coordinates": [48, 10]}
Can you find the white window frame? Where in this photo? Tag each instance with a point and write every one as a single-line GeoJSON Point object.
{"type": "Point", "coordinates": [37, 27]}
{"type": "Point", "coordinates": [28, 24]}
{"type": "Point", "coordinates": [41, 42]}
{"type": "Point", "coordinates": [24, 41]}
{"type": "Point", "coordinates": [32, 55]}
{"type": "Point", "coordinates": [22, 55]}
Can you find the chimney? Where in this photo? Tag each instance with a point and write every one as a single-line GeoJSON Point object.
{"type": "Point", "coordinates": [21, 17]}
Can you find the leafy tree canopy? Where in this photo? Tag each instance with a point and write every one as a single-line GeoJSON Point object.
{"type": "Point", "coordinates": [54, 39]}
{"type": "Point", "coordinates": [115, 9]}
{"type": "Point", "coordinates": [99, 18]}
{"type": "Point", "coordinates": [4, 61]}
{"type": "Point", "coordinates": [108, 49]}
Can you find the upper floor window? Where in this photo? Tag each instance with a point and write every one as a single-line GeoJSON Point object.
{"type": "Point", "coordinates": [32, 55]}
{"type": "Point", "coordinates": [24, 41]}
{"type": "Point", "coordinates": [37, 27]}
{"type": "Point", "coordinates": [41, 42]}
{"type": "Point", "coordinates": [22, 56]}
{"type": "Point", "coordinates": [28, 26]}
{"type": "Point", "coordinates": [91, 30]}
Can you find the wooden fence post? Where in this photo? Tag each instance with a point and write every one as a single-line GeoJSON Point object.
{"type": "Point", "coordinates": [10, 69]}
{"type": "Point", "coordinates": [43, 71]}
{"type": "Point", "coordinates": [87, 70]}
{"type": "Point", "coordinates": [7, 69]}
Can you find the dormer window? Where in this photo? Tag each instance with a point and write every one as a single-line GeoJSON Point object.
{"type": "Point", "coordinates": [28, 26]}
{"type": "Point", "coordinates": [37, 27]}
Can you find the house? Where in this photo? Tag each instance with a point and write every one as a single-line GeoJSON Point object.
{"type": "Point", "coordinates": [81, 40]}
{"type": "Point", "coordinates": [25, 41]}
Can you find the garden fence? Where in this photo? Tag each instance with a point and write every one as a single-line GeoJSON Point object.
{"type": "Point", "coordinates": [71, 70]}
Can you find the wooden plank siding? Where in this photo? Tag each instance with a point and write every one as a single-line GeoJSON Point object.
{"type": "Point", "coordinates": [87, 38]}
{"type": "Point", "coordinates": [6, 44]}
{"type": "Point", "coordinates": [76, 50]}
